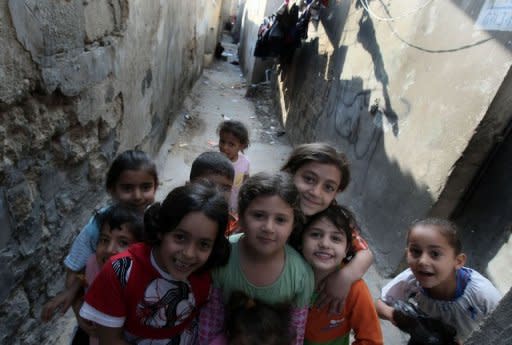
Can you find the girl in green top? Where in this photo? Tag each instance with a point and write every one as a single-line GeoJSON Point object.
{"type": "Point", "coordinates": [261, 264]}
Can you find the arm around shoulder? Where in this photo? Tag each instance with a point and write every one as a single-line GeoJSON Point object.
{"type": "Point", "coordinates": [359, 265]}
{"type": "Point", "coordinates": [337, 284]}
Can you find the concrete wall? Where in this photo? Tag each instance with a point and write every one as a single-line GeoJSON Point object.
{"type": "Point", "coordinates": [80, 81]}
{"type": "Point", "coordinates": [406, 100]}
{"type": "Point", "coordinates": [496, 329]}
{"type": "Point", "coordinates": [229, 9]}
{"type": "Point", "coordinates": [253, 14]}
{"type": "Point", "coordinates": [213, 8]}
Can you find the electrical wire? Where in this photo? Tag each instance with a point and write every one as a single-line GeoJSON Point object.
{"type": "Point", "coordinates": [366, 6]}
{"type": "Point", "coordinates": [412, 45]}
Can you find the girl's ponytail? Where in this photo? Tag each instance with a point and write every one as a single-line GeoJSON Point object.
{"type": "Point", "coordinates": [152, 223]}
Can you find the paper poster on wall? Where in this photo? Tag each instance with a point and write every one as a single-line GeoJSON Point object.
{"type": "Point", "coordinates": [496, 15]}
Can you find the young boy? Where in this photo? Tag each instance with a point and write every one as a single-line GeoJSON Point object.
{"type": "Point", "coordinates": [216, 168]}
{"type": "Point", "coordinates": [119, 228]}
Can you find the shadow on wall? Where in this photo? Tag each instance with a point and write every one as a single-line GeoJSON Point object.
{"type": "Point", "coordinates": [322, 107]}
{"type": "Point", "coordinates": [484, 215]}
{"type": "Point", "coordinates": [366, 36]}
{"type": "Point", "coordinates": [333, 23]}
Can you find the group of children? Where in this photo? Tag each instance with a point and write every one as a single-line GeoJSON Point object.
{"type": "Point", "coordinates": [267, 259]}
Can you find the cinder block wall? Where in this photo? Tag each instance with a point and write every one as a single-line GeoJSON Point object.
{"type": "Point", "coordinates": [80, 81]}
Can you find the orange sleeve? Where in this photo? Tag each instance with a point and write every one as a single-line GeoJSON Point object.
{"type": "Point", "coordinates": [232, 227]}
{"type": "Point", "coordinates": [358, 243]}
{"type": "Point", "coordinates": [360, 310]}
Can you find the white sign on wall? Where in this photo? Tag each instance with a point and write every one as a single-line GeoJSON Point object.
{"type": "Point", "coordinates": [496, 15]}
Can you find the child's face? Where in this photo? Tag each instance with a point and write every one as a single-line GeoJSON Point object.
{"type": "Point", "coordinates": [221, 181]}
{"type": "Point", "coordinates": [229, 145]}
{"type": "Point", "coordinates": [267, 223]}
{"type": "Point", "coordinates": [318, 185]}
{"type": "Point", "coordinates": [112, 241]}
{"type": "Point", "coordinates": [188, 247]}
{"type": "Point", "coordinates": [432, 259]}
{"type": "Point", "coordinates": [324, 246]}
{"type": "Point", "coordinates": [134, 188]}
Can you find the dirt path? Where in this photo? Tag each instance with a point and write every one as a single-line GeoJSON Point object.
{"type": "Point", "coordinates": [219, 94]}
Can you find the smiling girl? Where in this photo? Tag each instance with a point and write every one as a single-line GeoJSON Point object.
{"type": "Point", "coordinates": [321, 173]}
{"type": "Point", "coordinates": [326, 245]}
{"type": "Point", "coordinates": [262, 264]}
{"type": "Point", "coordinates": [152, 292]}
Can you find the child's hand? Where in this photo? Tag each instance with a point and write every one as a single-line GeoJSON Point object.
{"type": "Point", "coordinates": [333, 291]}
{"type": "Point", "coordinates": [59, 303]}
{"type": "Point", "coordinates": [89, 327]}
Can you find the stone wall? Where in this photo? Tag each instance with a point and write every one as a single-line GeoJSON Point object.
{"type": "Point", "coordinates": [405, 100]}
{"type": "Point", "coordinates": [80, 81]}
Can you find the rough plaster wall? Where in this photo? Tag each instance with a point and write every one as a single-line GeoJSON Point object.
{"type": "Point", "coordinates": [80, 81]}
{"type": "Point", "coordinates": [496, 329]}
{"type": "Point", "coordinates": [235, 33]}
{"type": "Point", "coordinates": [214, 31]}
{"type": "Point", "coordinates": [430, 77]}
{"type": "Point", "coordinates": [229, 9]}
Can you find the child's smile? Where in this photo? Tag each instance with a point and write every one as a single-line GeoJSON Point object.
{"type": "Point", "coordinates": [318, 185]}
{"type": "Point", "coordinates": [324, 247]}
{"type": "Point", "coordinates": [112, 241]}
{"type": "Point", "coordinates": [433, 261]}
{"type": "Point", "coordinates": [323, 256]}
{"type": "Point", "coordinates": [268, 222]}
{"type": "Point", "coordinates": [187, 248]}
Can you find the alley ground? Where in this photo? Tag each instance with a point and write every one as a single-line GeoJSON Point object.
{"type": "Point", "coordinates": [220, 94]}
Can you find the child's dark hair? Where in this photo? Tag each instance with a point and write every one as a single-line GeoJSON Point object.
{"type": "Point", "coordinates": [117, 215]}
{"type": "Point", "coordinates": [236, 128]}
{"type": "Point", "coordinates": [258, 322]}
{"type": "Point", "coordinates": [202, 196]}
{"type": "Point", "coordinates": [320, 153]}
{"type": "Point", "coordinates": [211, 163]}
{"type": "Point", "coordinates": [447, 228]}
{"type": "Point", "coordinates": [341, 217]}
{"type": "Point", "coordinates": [130, 160]}
{"type": "Point", "coordinates": [265, 184]}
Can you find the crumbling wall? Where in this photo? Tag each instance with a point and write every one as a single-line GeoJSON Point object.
{"type": "Point", "coordinates": [403, 98]}
{"type": "Point", "coordinates": [80, 81]}
{"type": "Point", "coordinates": [496, 329]}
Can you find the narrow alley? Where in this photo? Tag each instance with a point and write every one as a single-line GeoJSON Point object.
{"type": "Point", "coordinates": [413, 98]}
{"type": "Point", "coordinates": [220, 94]}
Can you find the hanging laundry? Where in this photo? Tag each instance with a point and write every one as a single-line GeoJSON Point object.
{"type": "Point", "coordinates": [280, 34]}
